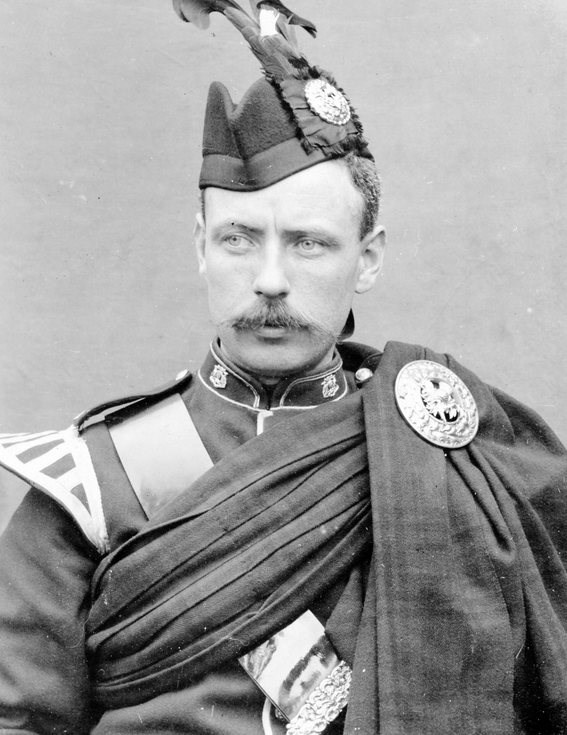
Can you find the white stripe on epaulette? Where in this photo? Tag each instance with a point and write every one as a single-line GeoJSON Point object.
{"type": "Point", "coordinates": [70, 445]}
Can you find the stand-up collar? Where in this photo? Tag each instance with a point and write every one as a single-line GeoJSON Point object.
{"type": "Point", "coordinates": [300, 390]}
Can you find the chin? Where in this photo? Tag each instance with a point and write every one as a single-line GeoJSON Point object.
{"type": "Point", "coordinates": [271, 368]}
{"type": "Point", "coordinates": [279, 360]}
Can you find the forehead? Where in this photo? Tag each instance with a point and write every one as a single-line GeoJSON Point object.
{"type": "Point", "coordinates": [324, 191]}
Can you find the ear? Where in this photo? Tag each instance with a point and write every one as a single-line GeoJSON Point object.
{"type": "Point", "coordinates": [371, 258]}
{"type": "Point", "coordinates": [199, 236]}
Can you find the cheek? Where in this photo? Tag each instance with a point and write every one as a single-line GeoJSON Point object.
{"type": "Point", "coordinates": [327, 290]}
{"type": "Point", "coordinates": [227, 284]}
{"type": "Point", "coordinates": [336, 278]}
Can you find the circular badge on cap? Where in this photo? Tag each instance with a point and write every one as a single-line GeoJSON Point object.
{"type": "Point", "coordinates": [327, 102]}
{"type": "Point", "coordinates": [436, 404]}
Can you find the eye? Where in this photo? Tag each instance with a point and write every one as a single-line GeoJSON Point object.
{"type": "Point", "coordinates": [235, 241]}
{"type": "Point", "coordinates": [310, 247]}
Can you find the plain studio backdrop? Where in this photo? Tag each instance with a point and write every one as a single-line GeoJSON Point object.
{"type": "Point", "coordinates": [465, 105]}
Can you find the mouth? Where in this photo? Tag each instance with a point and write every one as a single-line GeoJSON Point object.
{"type": "Point", "coordinates": [269, 331]}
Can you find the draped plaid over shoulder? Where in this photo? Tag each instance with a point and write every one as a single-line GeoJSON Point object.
{"type": "Point", "coordinates": [463, 623]}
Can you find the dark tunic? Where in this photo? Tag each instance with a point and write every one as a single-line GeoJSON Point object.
{"type": "Point", "coordinates": [454, 620]}
{"type": "Point", "coordinates": [44, 672]}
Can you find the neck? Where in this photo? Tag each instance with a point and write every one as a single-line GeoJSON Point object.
{"type": "Point", "coordinates": [305, 389]}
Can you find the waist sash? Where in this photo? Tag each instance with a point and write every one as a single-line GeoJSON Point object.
{"type": "Point", "coordinates": [220, 569]}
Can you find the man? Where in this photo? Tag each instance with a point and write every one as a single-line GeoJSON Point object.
{"type": "Point", "coordinates": [412, 514]}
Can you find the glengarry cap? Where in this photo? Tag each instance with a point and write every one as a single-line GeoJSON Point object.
{"type": "Point", "coordinates": [294, 117]}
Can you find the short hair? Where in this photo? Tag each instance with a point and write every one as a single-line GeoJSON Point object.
{"type": "Point", "coordinates": [365, 179]}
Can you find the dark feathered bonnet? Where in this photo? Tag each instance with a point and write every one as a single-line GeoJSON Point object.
{"type": "Point", "coordinates": [293, 118]}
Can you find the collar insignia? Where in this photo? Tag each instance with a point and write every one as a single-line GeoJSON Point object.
{"type": "Point", "coordinates": [436, 404]}
{"type": "Point", "coordinates": [330, 386]}
{"type": "Point", "coordinates": [327, 102]}
{"type": "Point", "coordinates": [218, 376]}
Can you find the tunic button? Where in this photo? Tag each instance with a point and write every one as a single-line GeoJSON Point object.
{"type": "Point", "coordinates": [362, 375]}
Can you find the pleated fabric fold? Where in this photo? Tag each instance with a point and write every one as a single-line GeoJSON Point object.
{"type": "Point", "coordinates": [462, 625]}
{"type": "Point", "coordinates": [237, 558]}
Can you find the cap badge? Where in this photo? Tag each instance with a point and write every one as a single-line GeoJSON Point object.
{"type": "Point", "coordinates": [330, 386]}
{"type": "Point", "coordinates": [436, 404]}
{"type": "Point", "coordinates": [327, 102]}
{"type": "Point", "coordinates": [218, 376]}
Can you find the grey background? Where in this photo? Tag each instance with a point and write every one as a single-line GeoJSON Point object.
{"type": "Point", "coordinates": [100, 117]}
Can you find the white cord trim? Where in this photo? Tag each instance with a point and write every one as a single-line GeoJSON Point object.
{"type": "Point", "coordinates": [89, 481]}
{"type": "Point", "coordinates": [266, 718]}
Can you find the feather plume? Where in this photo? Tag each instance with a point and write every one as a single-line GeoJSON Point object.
{"type": "Point", "coordinates": [198, 11]}
{"type": "Point", "coordinates": [278, 56]}
{"type": "Point", "coordinates": [290, 18]}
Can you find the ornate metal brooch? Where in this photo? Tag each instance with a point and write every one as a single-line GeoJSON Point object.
{"type": "Point", "coordinates": [436, 404]}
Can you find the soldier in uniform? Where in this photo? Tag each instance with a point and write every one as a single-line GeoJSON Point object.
{"type": "Point", "coordinates": [308, 535]}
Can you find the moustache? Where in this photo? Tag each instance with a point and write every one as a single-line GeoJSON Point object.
{"type": "Point", "coordinates": [276, 314]}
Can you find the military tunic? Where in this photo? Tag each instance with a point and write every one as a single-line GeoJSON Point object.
{"type": "Point", "coordinates": [456, 619]}
{"type": "Point", "coordinates": [44, 675]}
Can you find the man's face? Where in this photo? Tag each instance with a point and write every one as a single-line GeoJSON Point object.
{"type": "Point", "coordinates": [292, 248]}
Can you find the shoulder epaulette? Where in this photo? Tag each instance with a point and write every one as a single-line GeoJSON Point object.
{"type": "Point", "coordinates": [59, 463]}
{"type": "Point", "coordinates": [102, 410]}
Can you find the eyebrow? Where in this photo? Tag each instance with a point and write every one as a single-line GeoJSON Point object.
{"type": "Point", "coordinates": [230, 224]}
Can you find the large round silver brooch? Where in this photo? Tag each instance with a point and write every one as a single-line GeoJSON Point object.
{"type": "Point", "coordinates": [327, 101]}
{"type": "Point", "coordinates": [436, 404]}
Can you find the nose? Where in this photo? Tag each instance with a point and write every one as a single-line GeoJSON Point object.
{"type": "Point", "coordinates": [271, 279]}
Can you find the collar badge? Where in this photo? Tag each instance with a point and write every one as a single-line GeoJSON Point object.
{"type": "Point", "coordinates": [330, 386]}
{"type": "Point", "coordinates": [218, 376]}
{"type": "Point", "coordinates": [436, 404]}
{"type": "Point", "coordinates": [327, 102]}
